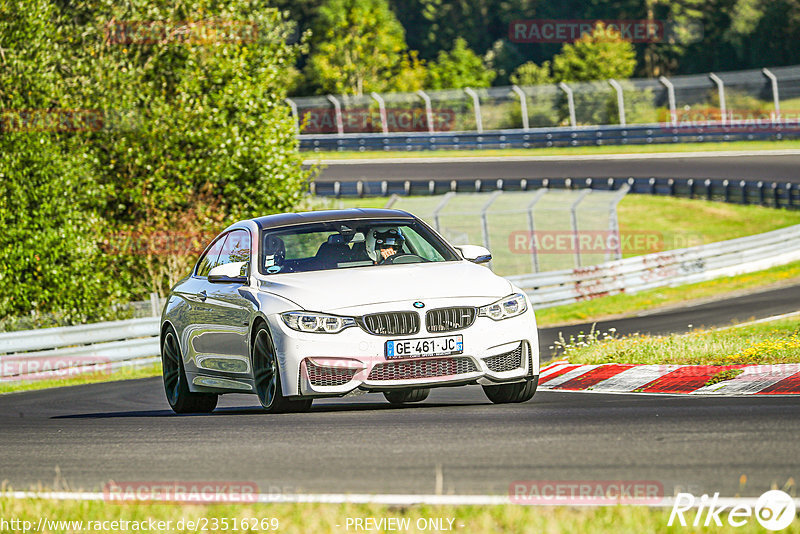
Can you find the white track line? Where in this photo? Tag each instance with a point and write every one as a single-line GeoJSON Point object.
{"type": "Point", "coordinates": [582, 157]}
{"type": "Point", "coordinates": [387, 499]}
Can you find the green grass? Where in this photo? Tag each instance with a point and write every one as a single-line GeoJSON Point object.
{"type": "Point", "coordinates": [682, 222]}
{"type": "Point", "coordinates": [563, 151]}
{"type": "Point", "coordinates": [87, 378]}
{"type": "Point", "coordinates": [321, 518]}
{"type": "Point", "coordinates": [624, 304]}
{"type": "Point", "coordinates": [761, 343]}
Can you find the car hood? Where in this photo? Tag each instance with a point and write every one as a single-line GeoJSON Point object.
{"type": "Point", "coordinates": [331, 290]}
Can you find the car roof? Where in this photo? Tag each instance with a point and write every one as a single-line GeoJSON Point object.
{"type": "Point", "coordinates": [292, 219]}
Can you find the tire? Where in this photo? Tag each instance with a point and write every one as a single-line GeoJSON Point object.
{"type": "Point", "coordinates": [176, 388]}
{"type": "Point", "coordinates": [267, 377]}
{"type": "Point", "coordinates": [516, 392]}
{"type": "Point", "coordinates": [402, 396]}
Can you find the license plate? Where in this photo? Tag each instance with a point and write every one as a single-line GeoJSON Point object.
{"type": "Point", "coordinates": [427, 346]}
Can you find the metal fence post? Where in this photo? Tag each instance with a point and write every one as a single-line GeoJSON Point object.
{"type": "Point", "coordinates": [570, 102]}
{"type": "Point", "coordinates": [154, 307]}
{"type": "Point", "coordinates": [476, 105]}
{"type": "Point", "coordinates": [721, 91]}
{"type": "Point", "coordinates": [295, 114]}
{"type": "Point", "coordinates": [445, 199]}
{"type": "Point", "coordinates": [613, 220]}
{"type": "Point", "coordinates": [381, 110]}
{"type": "Point", "coordinates": [523, 105]}
{"type": "Point", "coordinates": [428, 109]}
{"type": "Point", "coordinates": [573, 209]}
{"type": "Point", "coordinates": [775, 95]}
{"type": "Point", "coordinates": [484, 221]}
{"type": "Point", "coordinates": [532, 228]}
{"type": "Point", "coordinates": [673, 114]}
{"type": "Point", "coordinates": [620, 101]}
{"type": "Point", "coordinates": [337, 110]}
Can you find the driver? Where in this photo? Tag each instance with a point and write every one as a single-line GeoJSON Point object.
{"type": "Point", "coordinates": [388, 243]}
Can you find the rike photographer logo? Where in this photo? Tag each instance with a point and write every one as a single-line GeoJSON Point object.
{"type": "Point", "coordinates": [774, 510]}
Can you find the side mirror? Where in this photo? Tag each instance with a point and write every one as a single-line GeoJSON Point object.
{"type": "Point", "coordinates": [229, 273]}
{"type": "Point", "coordinates": [475, 253]}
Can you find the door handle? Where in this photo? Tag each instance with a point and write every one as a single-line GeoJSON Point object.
{"type": "Point", "coordinates": [202, 295]}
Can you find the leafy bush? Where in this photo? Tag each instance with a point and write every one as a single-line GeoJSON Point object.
{"type": "Point", "coordinates": [193, 135]}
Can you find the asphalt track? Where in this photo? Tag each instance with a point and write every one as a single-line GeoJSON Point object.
{"type": "Point", "coordinates": [84, 436]}
{"type": "Point", "coordinates": [87, 435]}
{"type": "Point", "coordinates": [781, 166]}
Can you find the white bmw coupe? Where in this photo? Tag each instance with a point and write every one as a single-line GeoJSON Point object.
{"type": "Point", "coordinates": [300, 306]}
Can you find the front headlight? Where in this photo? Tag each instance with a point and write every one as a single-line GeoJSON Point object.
{"type": "Point", "coordinates": [510, 306]}
{"type": "Point", "coordinates": [316, 322]}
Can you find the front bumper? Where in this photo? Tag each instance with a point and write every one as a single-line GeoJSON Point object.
{"type": "Point", "coordinates": [327, 365]}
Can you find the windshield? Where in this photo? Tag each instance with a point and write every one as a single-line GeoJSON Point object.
{"type": "Point", "coordinates": [345, 244]}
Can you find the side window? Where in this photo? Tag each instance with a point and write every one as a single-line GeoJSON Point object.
{"type": "Point", "coordinates": [236, 248]}
{"type": "Point", "coordinates": [209, 259]}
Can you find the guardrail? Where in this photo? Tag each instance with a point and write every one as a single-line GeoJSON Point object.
{"type": "Point", "coordinates": [675, 267]}
{"type": "Point", "coordinates": [773, 194]}
{"type": "Point", "coordinates": [66, 351]}
{"type": "Point", "coordinates": [640, 134]}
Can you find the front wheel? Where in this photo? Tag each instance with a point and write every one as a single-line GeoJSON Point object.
{"type": "Point", "coordinates": [267, 378]}
{"type": "Point", "coordinates": [402, 396]}
{"type": "Point", "coordinates": [180, 399]}
{"type": "Point", "coordinates": [516, 392]}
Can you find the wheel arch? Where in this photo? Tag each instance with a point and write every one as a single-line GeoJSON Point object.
{"type": "Point", "coordinates": [165, 325]}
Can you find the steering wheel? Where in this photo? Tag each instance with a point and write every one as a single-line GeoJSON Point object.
{"type": "Point", "coordinates": [403, 257]}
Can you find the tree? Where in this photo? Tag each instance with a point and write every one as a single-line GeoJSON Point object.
{"type": "Point", "coordinates": [458, 68]}
{"type": "Point", "coordinates": [600, 55]}
{"type": "Point", "coordinates": [51, 261]}
{"type": "Point", "coordinates": [358, 46]}
{"type": "Point", "coordinates": [190, 135]}
{"type": "Point", "coordinates": [532, 74]}
{"type": "Point", "coordinates": [684, 28]}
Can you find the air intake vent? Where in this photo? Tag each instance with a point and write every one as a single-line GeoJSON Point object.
{"type": "Point", "coordinates": [449, 319]}
{"type": "Point", "coordinates": [410, 370]}
{"type": "Point", "coordinates": [507, 361]}
{"type": "Point", "coordinates": [328, 376]}
{"type": "Point", "coordinates": [391, 324]}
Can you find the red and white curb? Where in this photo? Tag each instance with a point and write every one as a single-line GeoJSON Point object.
{"type": "Point", "coordinates": [775, 379]}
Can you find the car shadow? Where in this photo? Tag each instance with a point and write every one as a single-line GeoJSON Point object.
{"type": "Point", "coordinates": [249, 410]}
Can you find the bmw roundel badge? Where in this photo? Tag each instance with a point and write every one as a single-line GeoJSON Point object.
{"type": "Point", "coordinates": [419, 304]}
